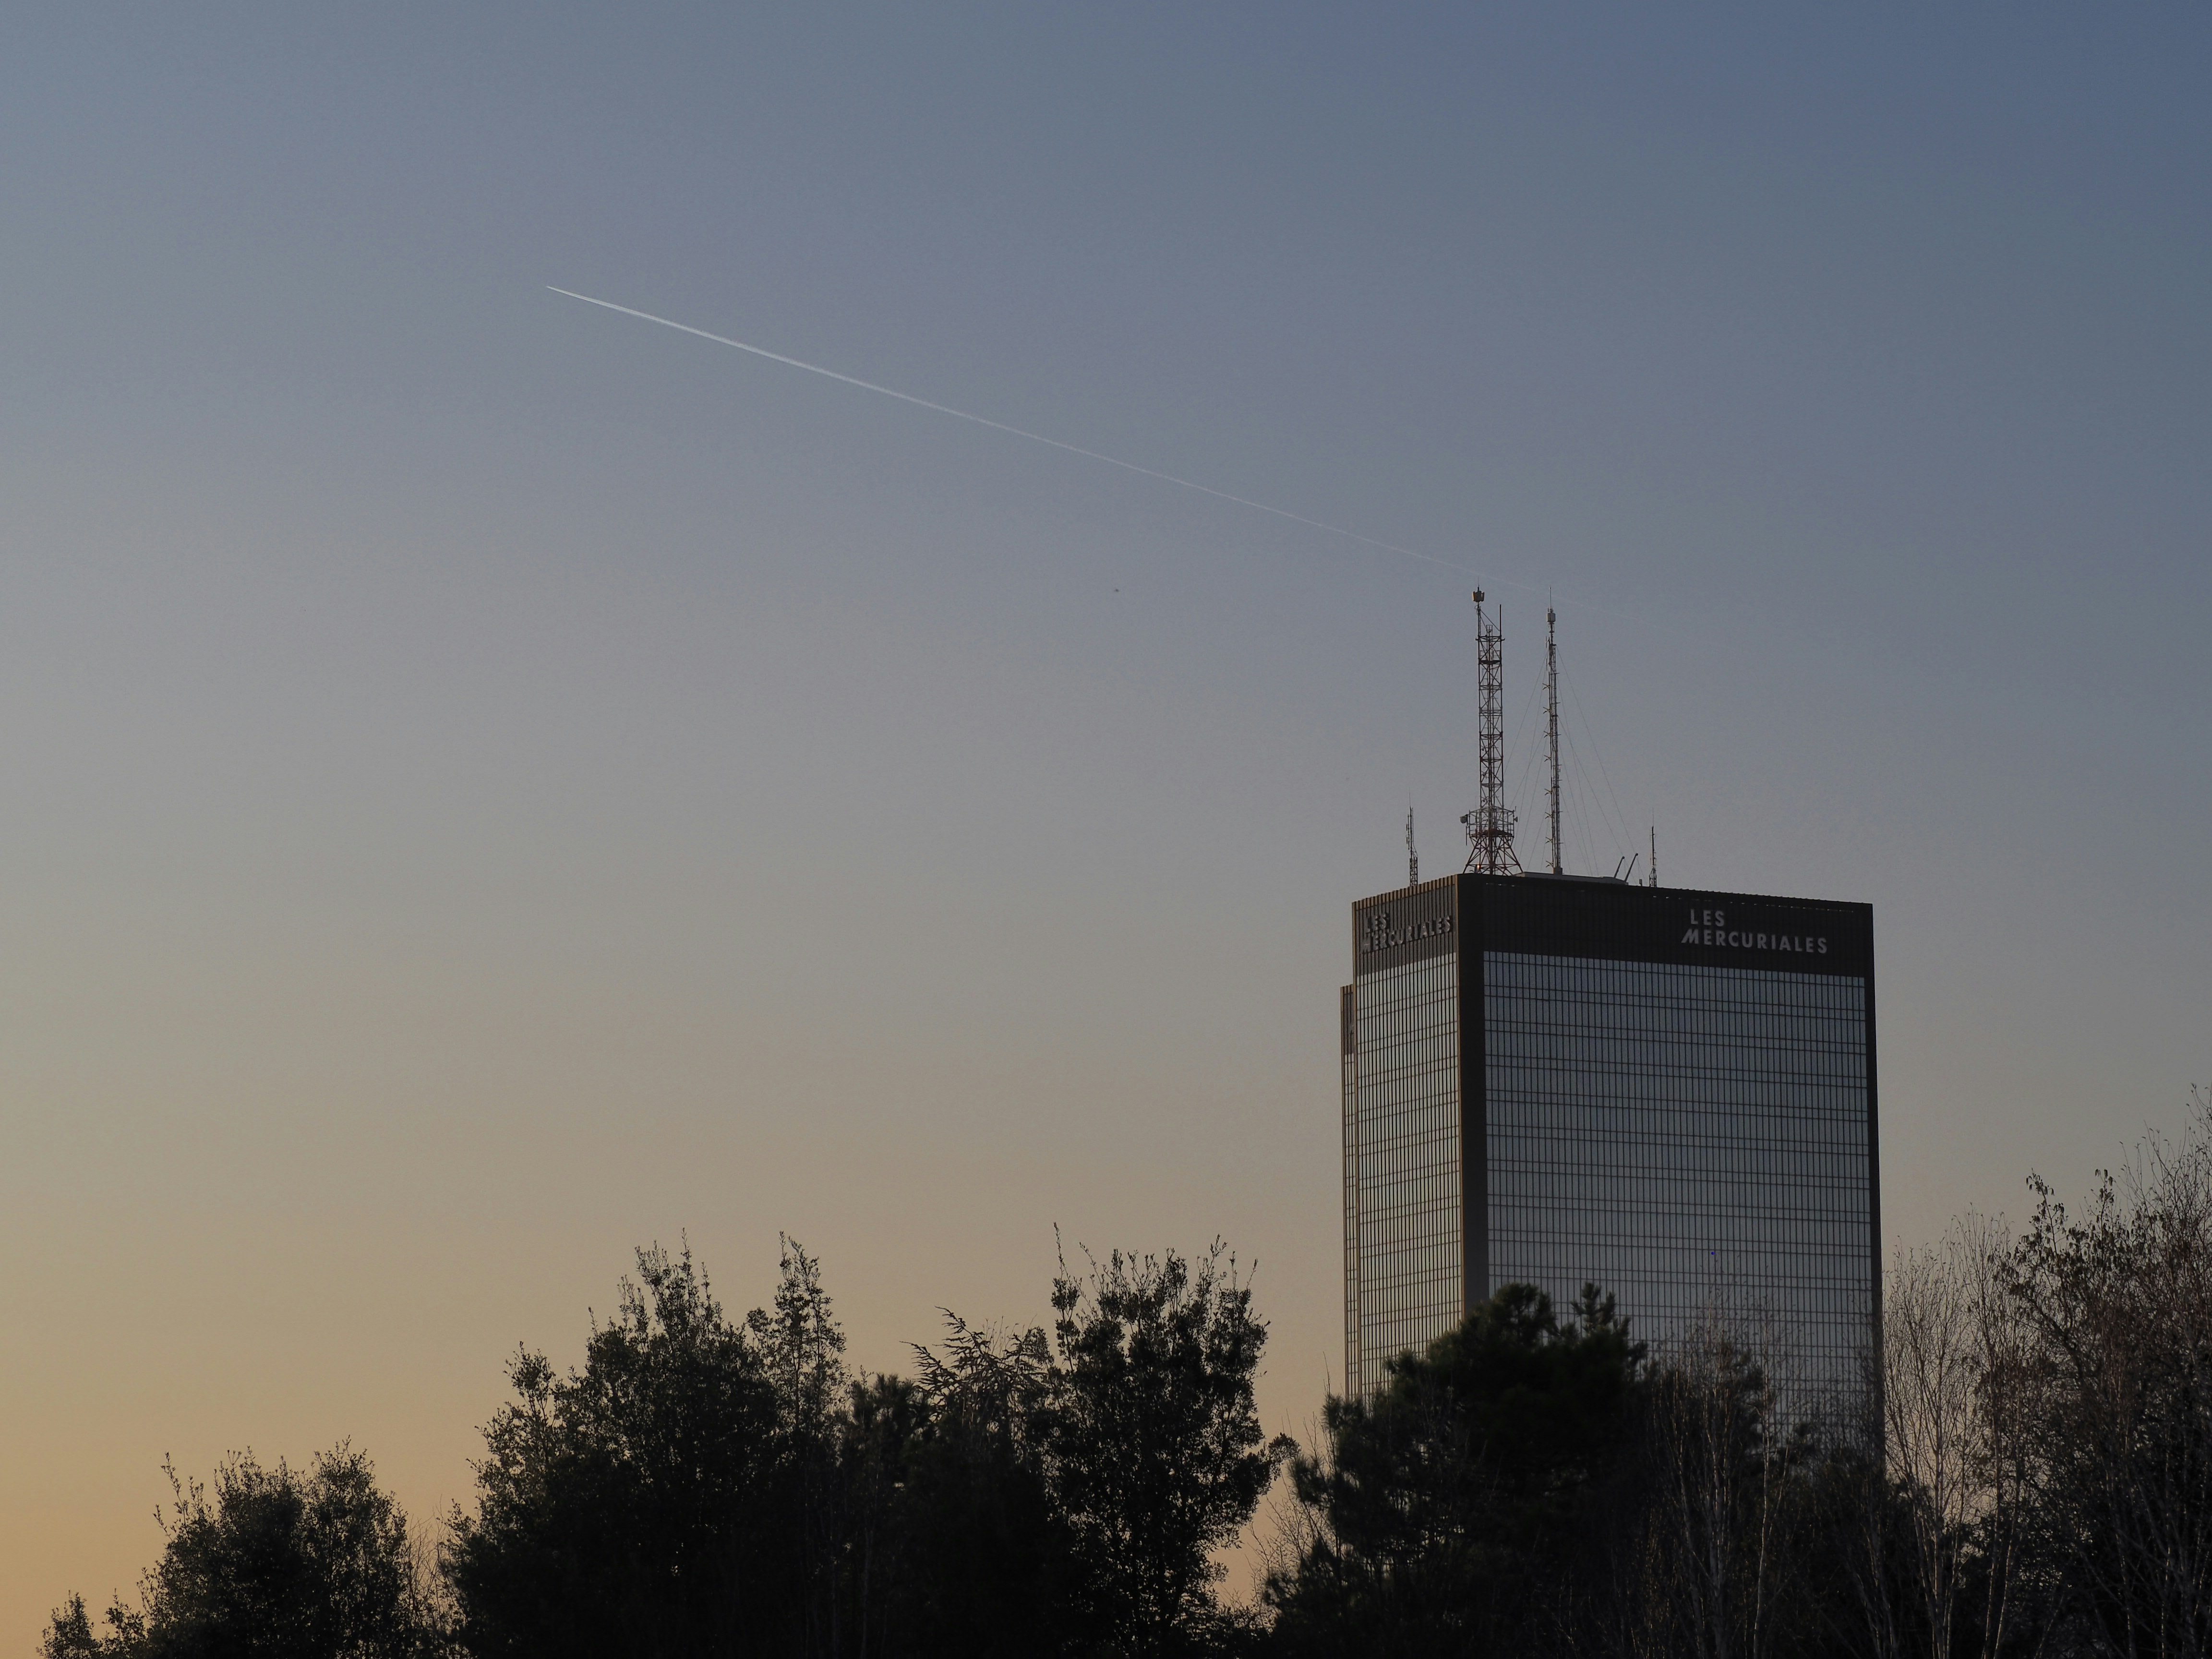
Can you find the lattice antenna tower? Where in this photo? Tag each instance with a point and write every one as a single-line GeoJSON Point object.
{"type": "Point", "coordinates": [1412, 859]}
{"type": "Point", "coordinates": [1552, 723]}
{"type": "Point", "coordinates": [1490, 826]}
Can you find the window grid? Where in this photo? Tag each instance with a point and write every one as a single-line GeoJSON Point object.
{"type": "Point", "coordinates": [1693, 1139]}
{"type": "Point", "coordinates": [1404, 1230]}
{"type": "Point", "coordinates": [1351, 1210]}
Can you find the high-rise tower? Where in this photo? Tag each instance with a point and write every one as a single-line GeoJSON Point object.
{"type": "Point", "coordinates": [1562, 1080]}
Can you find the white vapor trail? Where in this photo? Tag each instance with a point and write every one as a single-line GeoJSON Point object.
{"type": "Point", "coordinates": [1015, 431]}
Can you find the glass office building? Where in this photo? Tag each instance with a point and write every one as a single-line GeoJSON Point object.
{"type": "Point", "coordinates": [1669, 1094]}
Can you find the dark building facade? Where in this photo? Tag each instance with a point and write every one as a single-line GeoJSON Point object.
{"type": "Point", "coordinates": [1669, 1094]}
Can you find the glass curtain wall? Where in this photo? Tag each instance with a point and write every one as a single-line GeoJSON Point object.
{"type": "Point", "coordinates": [1348, 1027]}
{"type": "Point", "coordinates": [1693, 1139]}
{"type": "Point", "coordinates": [1402, 1149]}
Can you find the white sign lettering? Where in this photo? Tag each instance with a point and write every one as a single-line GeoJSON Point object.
{"type": "Point", "coordinates": [1710, 928]}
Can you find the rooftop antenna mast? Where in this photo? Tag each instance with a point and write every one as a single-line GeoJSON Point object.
{"type": "Point", "coordinates": [1552, 723]}
{"type": "Point", "coordinates": [1490, 826]}
{"type": "Point", "coordinates": [1412, 859]}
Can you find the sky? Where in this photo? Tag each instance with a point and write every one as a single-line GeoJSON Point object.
{"type": "Point", "coordinates": [491, 783]}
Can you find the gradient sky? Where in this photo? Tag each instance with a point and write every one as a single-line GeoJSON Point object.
{"type": "Point", "coordinates": [490, 783]}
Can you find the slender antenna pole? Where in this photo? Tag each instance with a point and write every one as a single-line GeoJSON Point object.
{"type": "Point", "coordinates": [1412, 859]}
{"type": "Point", "coordinates": [1655, 855]}
{"type": "Point", "coordinates": [1490, 826]}
{"type": "Point", "coordinates": [1552, 720]}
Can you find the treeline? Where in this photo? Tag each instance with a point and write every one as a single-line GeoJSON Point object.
{"type": "Point", "coordinates": [706, 1485]}
{"type": "Point", "coordinates": [2028, 1471]}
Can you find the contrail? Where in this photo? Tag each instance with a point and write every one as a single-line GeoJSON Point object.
{"type": "Point", "coordinates": [1016, 432]}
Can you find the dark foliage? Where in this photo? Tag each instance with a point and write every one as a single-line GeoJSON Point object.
{"type": "Point", "coordinates": [289, 1564]}
{"type": "Point", "coordinates": [1153, 1446]}
{"type": "Point", "coordinates": [1446, 1509]}
{"type": "Point", "coordinates": [2116, 1366]}
{"type": "Point", "coordinates": [706, 1488]}
{"type": "Point", "coordinates": [986, 1552]}
{"type": "Point", "coordinates": [2026, 1475]}
{"type": "Point", "coordinates": [645, 1505]}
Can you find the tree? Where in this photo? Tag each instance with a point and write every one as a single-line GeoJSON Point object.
{"type": "Point", "coordinates": [2116, 1419]}
{"type": "Point", "coordinates": [645, 1505]}
{"type": "Point", "coordinates": [1439, 1513]}
{"type": "Point", "coordinates": [803, 1350]}
{"type": "Point", "coordinates": [1716, 1491]}
{"type": "Point", "coordinates": [280, 1563]}
{"type": "Point", "coordinates": [984, 1550]}
{"type": "Point", "coordinates": [706, 1487]}
{"type": "Point", "coordinates": [1941, 1543]}
{"type": "Point", "coordinates": [1152, 1449]}
{"type": "Point", "coordinates": [702, 1486]}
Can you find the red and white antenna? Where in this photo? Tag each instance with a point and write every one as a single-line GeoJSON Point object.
{"type": "Point", "coordinates": [1490, 826]}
